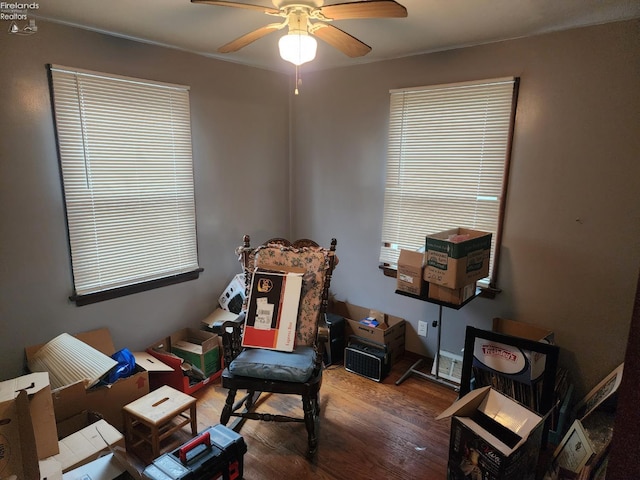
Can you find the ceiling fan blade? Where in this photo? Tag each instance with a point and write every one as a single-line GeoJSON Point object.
{"type": "Point", "coordinates": [364, 9]}
{"type": "Point", "coordinates": [347, 44]}
{"type": "Point", "coordinates": [269, 10]}
{"type": "Point", "coordinates": [250, 37]}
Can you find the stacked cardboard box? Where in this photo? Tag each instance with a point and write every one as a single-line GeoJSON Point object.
{"type": "Point", "coordinates": [455, 260]}
{"type": "Point", "coordinates": [457, 257]}
{"type": "Point", "coordinates": [410, 276]}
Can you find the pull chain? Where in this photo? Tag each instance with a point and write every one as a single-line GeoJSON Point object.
{"type": "Point", "coordinates": [298, 81]}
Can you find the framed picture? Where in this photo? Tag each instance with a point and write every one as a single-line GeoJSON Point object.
{"type": "Point", "coordinates": [599, 393]}
{"type": "Point", "coordinates": [575, 450]}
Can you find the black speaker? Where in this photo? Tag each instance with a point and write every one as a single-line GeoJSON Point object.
{"type": "Point", "coordinates": [367, 358]}
{"type": "Point", "coordinates": [334, 350]}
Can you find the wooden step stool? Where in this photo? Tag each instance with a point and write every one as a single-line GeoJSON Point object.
{"type": "Point", "coordinates": [155, 416]}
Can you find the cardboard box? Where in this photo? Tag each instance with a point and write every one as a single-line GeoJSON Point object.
{"type": "Point", "coordinates": [520, 365]}
{"type": "Point", "coordinates": [50, 469]}
{"type": "Point", "coordinates": [36, 385]}
{"type": "Point", "coordinates": [17, 439]}
{"type": "Point", "coordinates": [106, 400]}
{"type": "Point", "coordinates": [410, 272]}
{"type": "Point", "coordinates": [492, 437]}
{"type": "Point", "coordinates": [76, 423]}
{"type": "Point", "coordinates": [391, 334]}
{"type": "Point", "coordinates": [272, 311]}
{"type": "Point", "coordinates": [175, 372]}
{"type": "Point", "coordinates": [454, 296]}
{"type": "Point", "coordinates": [87, 444]}
{"type": "Point", "coordinates": [197, 347]}
{"type": "Point", "coordinates": [111, 466]}
{"type": "Point", "coordinates": [454, 264]}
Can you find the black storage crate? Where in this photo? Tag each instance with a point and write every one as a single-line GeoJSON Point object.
{"type": "Point", "coordinates": [217, 453]}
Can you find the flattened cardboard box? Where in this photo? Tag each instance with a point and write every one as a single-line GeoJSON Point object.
{"type": "Point", "coordinates": [106, 400]}
{"type": "Point", "coordinates": [456, 264]}
{"type": "Point", "coordinates": [36, 385]}
{"type": "Point", "coordinates": [272, 312]}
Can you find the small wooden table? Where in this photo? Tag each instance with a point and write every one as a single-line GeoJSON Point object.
{"type": "Point", "coordinates": [155, 416]}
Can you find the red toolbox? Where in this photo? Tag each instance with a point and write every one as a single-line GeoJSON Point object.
{"type": "Point", "coordinates": [217, 453]}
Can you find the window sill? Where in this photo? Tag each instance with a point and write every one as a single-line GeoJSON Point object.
{"type": "Point", "coordinates": [90, 298]}
{"type": "Point", "coordinates": [485, 292]}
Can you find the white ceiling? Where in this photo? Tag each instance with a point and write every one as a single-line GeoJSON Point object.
{"type": "Point", "coordinates": [431, 25]}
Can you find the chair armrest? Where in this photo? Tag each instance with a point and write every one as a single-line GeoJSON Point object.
{"type": "Point", "coordinates": [230, 331]}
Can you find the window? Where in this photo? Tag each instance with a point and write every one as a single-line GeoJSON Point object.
{"type": "Point", "coordinates": [125, 156]}
{"type": "Point", "coordinates": [447, 163]}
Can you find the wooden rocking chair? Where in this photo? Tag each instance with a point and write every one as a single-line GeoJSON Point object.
{"type": "Point", "coordinates": [257, 370]}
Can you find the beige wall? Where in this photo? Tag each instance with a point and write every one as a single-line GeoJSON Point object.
{"type": "Point", "coordinates": [571, 247]}
{"type": "Point", "coordinates": [571, 251]}
{"type": "Point", "coordinates": [240, 119]}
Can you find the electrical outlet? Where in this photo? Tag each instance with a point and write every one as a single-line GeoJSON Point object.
{"type": "Point", "coordinates": [422, 328]}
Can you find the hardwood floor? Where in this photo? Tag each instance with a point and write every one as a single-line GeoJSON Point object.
{"type": "Point", "coordinates": [368, 430]}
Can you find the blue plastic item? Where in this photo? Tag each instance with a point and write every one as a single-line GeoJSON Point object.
{"type": "Point", "coordinates": [125, 368]}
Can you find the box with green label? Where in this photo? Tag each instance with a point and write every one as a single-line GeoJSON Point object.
{"type": "Point", "coordinates": [457, 257]}
{"type": "Point", "coordinates": [197, 347]}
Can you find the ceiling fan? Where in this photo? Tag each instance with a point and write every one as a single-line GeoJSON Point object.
{"type": "Point", "coordinates": [306, 20]}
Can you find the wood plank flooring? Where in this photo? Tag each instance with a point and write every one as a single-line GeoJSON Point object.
{"type": "Point", "coordinates": [368, 430]}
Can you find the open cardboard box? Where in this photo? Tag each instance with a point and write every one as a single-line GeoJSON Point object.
{"type": "Point", "coordinates": [173, 372]}
{"type": "Point", "coordinates": [454, 264]}
{"type": "Point", "coordinates": [198, 348]}
{"type": "Point", "coordinates": [391, 333]}
{"type": "Point", "coordinates": [36, 386]}
{"type": "Point", "coordinates": [493, 436]}
{"type": "Point", "coordinates": [106, 400]}
{"type": "Point", "coordinates": [17, 438]}
{"type": "Point", "coordinates": [85, 437]}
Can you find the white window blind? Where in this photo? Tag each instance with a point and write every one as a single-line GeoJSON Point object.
{"type": "Point", "coordinates": [127, 171]}
{"type": "Point", "coordinates": [448, 147]}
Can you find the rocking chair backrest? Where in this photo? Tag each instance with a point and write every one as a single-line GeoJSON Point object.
{"type": "Point", "coordinates": [318, 263]}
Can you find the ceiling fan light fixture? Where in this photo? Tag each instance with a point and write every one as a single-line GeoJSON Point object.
{"type": "Point", "coordinates": [298, 47]}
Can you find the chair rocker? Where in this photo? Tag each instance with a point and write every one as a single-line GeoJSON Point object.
{"type": "Point", "coordinates": [257, 370]}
